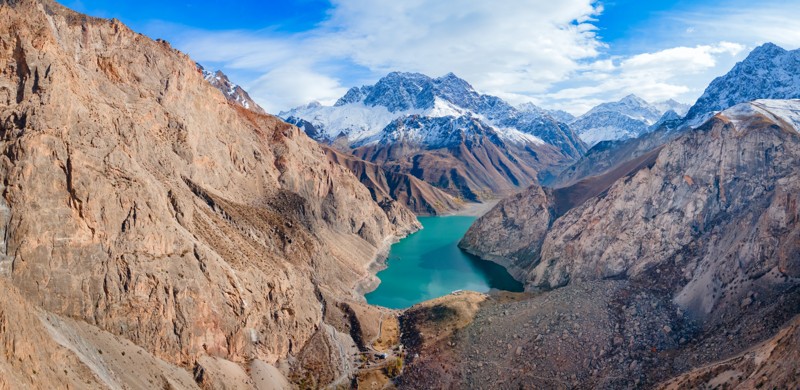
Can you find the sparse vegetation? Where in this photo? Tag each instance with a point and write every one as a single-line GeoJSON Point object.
{"type": "Point", "coordinates": [394, 368]}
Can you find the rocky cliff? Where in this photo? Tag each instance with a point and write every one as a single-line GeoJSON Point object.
{"type": "Point", "coordinates": [140, 205]}
{"type": "Point", "coordinates": [695, 193]}
{"type": "Point", "coordinates": [678, 271]}
{"type": "Point", "coordinates": [393, 188]}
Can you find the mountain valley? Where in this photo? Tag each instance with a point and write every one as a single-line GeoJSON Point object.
{"type": "Point", "coordinates": [161, 229]}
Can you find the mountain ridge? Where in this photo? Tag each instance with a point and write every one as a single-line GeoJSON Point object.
{"type": "Point", "coordinates": [629, 117]}
{"type": "Point", "coordinates": [408, 120]}
{"type": "Point", "coordinates": [768, 72]}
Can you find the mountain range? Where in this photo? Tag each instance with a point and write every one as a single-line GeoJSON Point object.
{"type": "Point", "coordinates": [442, 131]}
{"type": "Point", "coordinates": [768, 72]}
{"type": "Point", "coordinates": [160, 231]}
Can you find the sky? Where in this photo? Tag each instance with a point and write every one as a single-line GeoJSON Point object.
{"type": "Point", "coordinates": [565, 54]}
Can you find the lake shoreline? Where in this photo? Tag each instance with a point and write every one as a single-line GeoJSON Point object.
{"type": "Point", "coordinates": [474, 209]}
{"type": "Point", "coordinates": [428, 264]}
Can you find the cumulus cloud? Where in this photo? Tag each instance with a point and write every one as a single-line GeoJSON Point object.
{"type": "Point", "coordinates": [504, 46]}
{"type": "Point", "coordinates": [657, 76]}
{"type": "Point", "coordinates": [543, 51]}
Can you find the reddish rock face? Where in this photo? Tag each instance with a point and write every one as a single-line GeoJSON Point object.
{"type": "Point", "coordinates": [139, 201]}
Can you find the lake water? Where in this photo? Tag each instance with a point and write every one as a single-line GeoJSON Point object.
{"type": "Point", "coordinates": [428, 264]}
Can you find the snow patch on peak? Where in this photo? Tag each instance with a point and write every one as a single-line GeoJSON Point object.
{"type": "Point", "coordinates": [631, 106]}
{"type": "Point", "coordinates": [513, 135]}
{"type": "Point", "coordinates": [787, 111]}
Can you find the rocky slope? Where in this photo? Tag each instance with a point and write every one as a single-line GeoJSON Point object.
{"type": "Point", "coordinates": [387, 187]}
{"type": "Point", "coordinates": [768, 72]}
{"type": "Point", "coordinates": [714, 176]}
{"type": "Point", "coordinates": [707, 226]}
{"type": "Point", "coordinates": [461, 156]}
{"type": "Point", "coordinates": [407, 121]}
{"type": "Point", "coordinates": [146, 216]}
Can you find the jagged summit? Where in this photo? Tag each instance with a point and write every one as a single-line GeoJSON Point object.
{"type": "Point", "coordinates": [444, 132]}
{"type": "Point", "coordinates": [629, 117]}
{"type": "Point", "coordinates": [363, 112]}
{"type": "Point", "coordinates": [631, 106]}
{"type": "Point", "coordinates": [401, 91]}
{"type": "Point", "coordinates": [233, 92]}
{"type": "Point", "coordinates": [768, 72]}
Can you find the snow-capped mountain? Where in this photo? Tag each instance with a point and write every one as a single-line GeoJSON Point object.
{"type": "Point", "coordinates": [559, 115]}
{"type": "Point", "coordinates": [680, 108]}
{"type": "Point", "coordinates": [768, 72]}
{"type": "Point", "coordinates": [444, 132]}
{"type": "Point", "coordinates": [629, 117]}
{"type": "Point", "coordinates": [233, 92]}
{"type": "Point", "coordinates": [631, 106]}
{"type": "Point", "coordinates": [362, 114]}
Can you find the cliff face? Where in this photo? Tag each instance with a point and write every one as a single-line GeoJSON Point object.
{"type": "Point", "coordinates": [415, 194]}
{"type": "Point", "coordinates": [718, 202]}
{"type": "Point", "coordinates": [138, 200]}
{"type": "Point", "coordinates": [679, 269]}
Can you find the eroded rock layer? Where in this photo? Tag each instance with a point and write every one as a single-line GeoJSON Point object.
{"type": "Point", "coordinates": [138, 201]}
{"type": "Point", "coordinates": [685, 258]}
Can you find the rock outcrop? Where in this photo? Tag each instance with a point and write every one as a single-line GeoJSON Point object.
{"type": "Point", "coordinates": [696, 194]}
{"type": "Point", "coordinates": [139, 202]}
{"type": "Point", "coordinates": [234, 92]}
{"type": "Point", "coordinates": [387, 187]}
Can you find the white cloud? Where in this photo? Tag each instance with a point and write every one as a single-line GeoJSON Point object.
{"type": "Point", "coordinates": [537, 50]}
{"type": "Point", "coordinates": [504, 46]}
{"type": "Point", "coordinates": [747, 22]}
{"type": "Point", "coordinates": [656, 76]}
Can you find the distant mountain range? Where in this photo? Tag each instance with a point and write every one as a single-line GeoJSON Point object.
{"type": "Point", "coordinates": [629, 117]}
{"type": "Point", "coordinates": [441, 130]}
{"type": "Point", "coordinates": [768, 72]}
{"type": "Point", "coordinates": [476, 146]}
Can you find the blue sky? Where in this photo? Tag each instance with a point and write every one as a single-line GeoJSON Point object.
{"type": "Point", "coordinates": [567, 54]}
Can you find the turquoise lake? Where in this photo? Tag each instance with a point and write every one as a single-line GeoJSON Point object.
{"type": "Point", "coordinates": [428, 264]}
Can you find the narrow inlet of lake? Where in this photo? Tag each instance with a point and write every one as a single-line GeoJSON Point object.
{"type": "Point", "coordinates": [428, 264]}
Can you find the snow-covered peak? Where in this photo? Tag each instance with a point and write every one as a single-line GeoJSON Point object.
{"type": "Point", "coordinates": [359, 121]}
{"type": "Point", "coordinates": [562, 116]}
{"type": "Point", "coordinates": [631, 106]}
{"type": "Point", "coordinates": [786, 111]}
{"type": "Point", "coordinates": [672, 105]}
{"type": "Point", "coordinates": [529, 107]}
{"type": "Point", "coordinates": [363, 113]}
{"type": "Point", "coordinates": [768, 72]}
{"type": "Point", "coordinates": [232, 91]}
{"type": "Point", "coordinates": [629, 117]}
{"type": "Point", "coordinates": [558, 115]}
